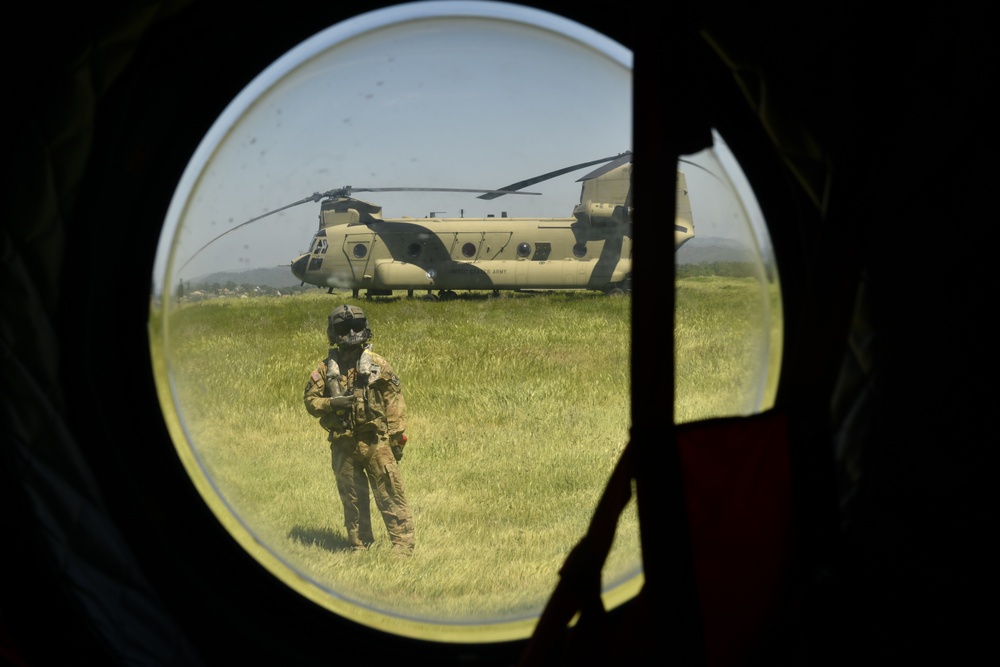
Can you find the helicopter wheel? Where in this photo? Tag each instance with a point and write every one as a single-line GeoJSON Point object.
{"type": "Point", "coordinates": [615, 290]}
{"type": "Point", "coordinates": [447, 295]}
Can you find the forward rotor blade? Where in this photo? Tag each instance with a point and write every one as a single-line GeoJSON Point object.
{"type": "Point", "coordinates": [316, 196]}
{"type": "Point", "coordinates": [346, 192]}
{"type": "Point", "coordinates": [544, 177]}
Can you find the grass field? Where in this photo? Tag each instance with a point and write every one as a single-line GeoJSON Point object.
{"type": "Point", "coordinates": [518, 410]}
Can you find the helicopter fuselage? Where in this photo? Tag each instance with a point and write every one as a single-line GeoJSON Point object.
{"type": "Point", "coordinates": [469, 254]}
{"type": "Point", "coordinates": [355, 248]}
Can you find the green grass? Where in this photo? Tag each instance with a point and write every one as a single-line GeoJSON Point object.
{"type": "Point", "coordinates": [726, 331]}
{"type": "Point", "coordinates": [518, 411]}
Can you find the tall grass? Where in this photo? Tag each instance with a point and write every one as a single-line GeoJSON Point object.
{"type": "Point", "coordinates": [518, 411]}
{"type": "Point", "coordinates": [727, 340]}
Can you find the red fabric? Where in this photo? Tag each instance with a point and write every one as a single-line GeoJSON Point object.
{"type": "Point", "coordinates": [738, 488]}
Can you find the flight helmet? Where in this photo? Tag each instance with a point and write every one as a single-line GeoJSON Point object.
{"type": "Point", "coordinates": [347, 326]}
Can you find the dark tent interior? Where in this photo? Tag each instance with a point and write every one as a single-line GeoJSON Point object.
{"type": "Point", "coordinates": [867, 136]}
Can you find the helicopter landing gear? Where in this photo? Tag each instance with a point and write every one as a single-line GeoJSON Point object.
{"type": "Point", "coordinates": [354, 293]}
{"type": "Point", "coordinates": [447, 295]}
{"type": "Point", "coordinates": [617, 289]}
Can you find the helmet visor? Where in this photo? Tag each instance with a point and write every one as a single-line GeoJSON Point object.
{"type": "Point", "coordinates": [344, 327]}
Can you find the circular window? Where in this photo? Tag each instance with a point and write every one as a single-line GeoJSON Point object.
{"type": "Point", "coordinates": [580, 250]}
{"type": "Point", "coordinates": [419, 82]}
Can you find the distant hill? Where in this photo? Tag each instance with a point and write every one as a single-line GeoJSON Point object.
{"type": "Point", "coordinates": [277, 277]}
{"type": "Point", "coordinates": [714, 249]}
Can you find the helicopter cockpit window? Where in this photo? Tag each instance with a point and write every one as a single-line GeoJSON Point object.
{"type": "Point", "coordinates": [523, 249]}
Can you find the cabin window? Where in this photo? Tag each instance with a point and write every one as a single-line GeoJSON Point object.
{"type": "Point", "coordinates": [303, 545]}
{"type": "Point", "coordinates": [580, 250]}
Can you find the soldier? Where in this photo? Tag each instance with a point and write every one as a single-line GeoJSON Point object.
{"type": "Point", "coordinates": [359, 401]}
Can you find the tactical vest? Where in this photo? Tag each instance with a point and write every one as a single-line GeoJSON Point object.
{"type": "Point", "coordinates": [366, 412]}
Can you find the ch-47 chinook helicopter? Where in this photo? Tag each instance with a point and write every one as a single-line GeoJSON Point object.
{"type": "Point", "coordinates": [355, 248]}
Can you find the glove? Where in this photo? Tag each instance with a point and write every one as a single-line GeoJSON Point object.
{"type": "Point", "coordinates": [341, 402]}
{"type": "Point", "coordinates": [398, 441]}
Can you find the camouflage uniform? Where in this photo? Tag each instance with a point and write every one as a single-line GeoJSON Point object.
{"type": "Point", "coordinates": [361, 406]}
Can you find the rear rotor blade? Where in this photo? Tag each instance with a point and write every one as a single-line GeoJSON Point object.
{"type": "Point", "coordinates": [617, 162]}
{"type": "Point", "coordinates": [552, 174]}
{"type": "Point", "coordinates": [495, 193]}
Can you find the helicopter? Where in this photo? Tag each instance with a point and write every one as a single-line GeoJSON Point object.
{"type": "Point", "coordinates": [356, 248]}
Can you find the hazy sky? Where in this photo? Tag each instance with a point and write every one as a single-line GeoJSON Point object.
{"type": "Point", "coordinates": [474, 101]}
